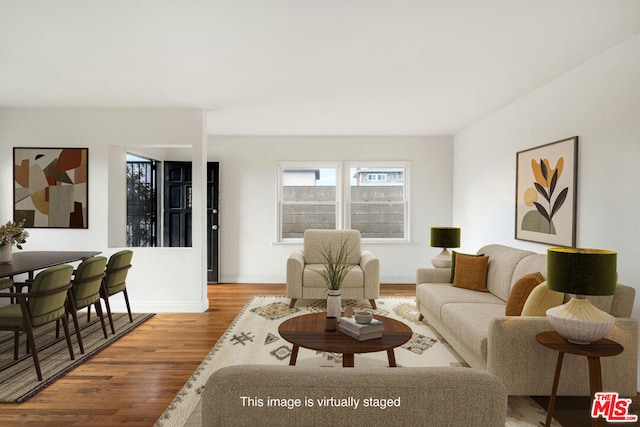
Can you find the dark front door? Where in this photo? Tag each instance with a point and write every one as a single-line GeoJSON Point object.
{"type": "Point", "coordinates": [213, 172]}
{"type": "Point", "coordinates": [177, 204]}
{"type": "Point", "coordinates": [177, 210]}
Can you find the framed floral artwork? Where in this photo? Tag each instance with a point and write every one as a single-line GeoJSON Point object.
{"type": "Point", "coordinates": [546, 190]}
{"type": "Point", "coordinates": [50, 187]}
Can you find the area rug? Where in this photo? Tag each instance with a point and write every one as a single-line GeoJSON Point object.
{"type": "Point", "coordinates": [18, 377]}
{"type": "Point", "coordinates": [253, 338]}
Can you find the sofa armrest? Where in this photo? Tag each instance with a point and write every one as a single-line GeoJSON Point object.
{"type": "Point", "coordinates": [526, 367]}
{"type": "Point", "coordinates": [433, 275]}
{"type": "Point", "coordinates": [370, 265]}
{"type": "Point", "coordinates": [295, 269]}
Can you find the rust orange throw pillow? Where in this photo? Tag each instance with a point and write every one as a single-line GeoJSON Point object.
{"type": "Point", "coordinates": [520, 292]}
{"type": "Point", "coordinates": [471, 272]}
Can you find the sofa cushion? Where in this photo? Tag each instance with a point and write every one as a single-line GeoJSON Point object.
{"type": "Point", "coordinates": [540, 300]}
{"type": "Point", "coordinates": [311, 277]}
{"type": "Point", "coordinates": [453, 263]}
{"type": "Point", "coordinates": [471, 272]}
{"type": "Point", "coordinates": [520, 292]}
{"type": "Point", "coordinates": [501, 268]}
{"type": "Point", "coordinates": [434, 296]}
{"type": "Point", "coordinates": [470, 323]}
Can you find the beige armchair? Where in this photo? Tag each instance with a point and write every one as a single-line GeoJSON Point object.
{"type": "Point", "coordinates": [305, 282]}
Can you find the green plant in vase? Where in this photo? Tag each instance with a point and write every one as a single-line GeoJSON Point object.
{"type": "Point", "coordinates": [336, 267]}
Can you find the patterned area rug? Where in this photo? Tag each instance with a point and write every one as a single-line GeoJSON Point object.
{"type": "Point", "coordinates": [253, 338]}
{"type": "Point", "coordinates": [18, 377]}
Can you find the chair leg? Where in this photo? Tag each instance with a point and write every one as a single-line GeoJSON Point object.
{"type": "Point", "coordinates": [65, 326]}
{"type": "Point", "coordinates": [101, 316]}
{"type": "Point", "coordinates": [373, 303]}
{"type": "Point", "coordinates": [27, 348]}
{"type": "Point", "coordinates": [88, 314]}
{"type": "Point", "coordinates": [106, 303]}
{"type": "Point", "coordinates": [126, 300]}
{"type": "Point", "coordinates": [293, 302]}
{"type": "Point", "coordinates": [34, 352]}
{"type": "Point", "coordinates": [16, 339]}
{"type": "Point", "coordinates": [58, 328]}
{"type": "Point", "coordinates": [74, 316]}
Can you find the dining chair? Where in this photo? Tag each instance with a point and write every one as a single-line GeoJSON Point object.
{"type": "Point", "coordinates": [114, 282]}
{"type": "Point", "coordinates": [5, 283]}
{"type": "Point", "coordinates": [43, 303]}
{"type": "Point", "coordinates": [84, 292]}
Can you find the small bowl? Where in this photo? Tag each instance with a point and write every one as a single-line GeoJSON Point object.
{"type": "Point", "coordinates": [363, 317]}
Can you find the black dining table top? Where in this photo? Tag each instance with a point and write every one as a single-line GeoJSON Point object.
{"type": "Point", "coordinates": [30, 261]}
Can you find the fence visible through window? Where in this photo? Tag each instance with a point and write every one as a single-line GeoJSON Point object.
{"type": "Point", "coordinates": [377, 202]}
{"type": "Point", "coordinates": [313, 196]}
{"type": "Point", "coordinates": [308, 200]}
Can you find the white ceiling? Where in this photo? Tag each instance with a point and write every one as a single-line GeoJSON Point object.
{"type": "Point", "coordinates": [302, 67]}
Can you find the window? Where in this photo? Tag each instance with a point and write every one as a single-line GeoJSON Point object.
{"type": "Point", "coordinates": [142, 206]}
{"type": "Point", "coordinates": [375, 199]}
{"type": "Point", "coordinates": [376, 177]}
{"type": "Point", "coordinates": [308, 198]}
{"type": "Point", "coordinates": [378, 200]}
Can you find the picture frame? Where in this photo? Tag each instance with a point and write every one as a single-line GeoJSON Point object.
{"type": "Point", "coordinates": [546, 193]}
{"type": "Point", "coordinates": [50, 187]}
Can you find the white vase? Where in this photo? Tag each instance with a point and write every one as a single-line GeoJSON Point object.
{"type": "Point", "coordinates": [334, 303]}
{"type": "Point", "coordinates": [6, 254]}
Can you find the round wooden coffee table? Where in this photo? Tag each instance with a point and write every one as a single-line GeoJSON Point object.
{"type": "Point", "coordinates": [308, 331]}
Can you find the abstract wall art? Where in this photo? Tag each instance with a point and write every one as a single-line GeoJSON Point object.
{"type": "Point", "coordinates": [546, 189]}
{"type": "Point", "coordinates": [50, 187]}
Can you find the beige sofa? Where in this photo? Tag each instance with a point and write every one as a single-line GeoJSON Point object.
{"type": "Point", "coordinates": [475, 325]}
{"type": "Point", "coordinates": [442, 396]}
{"type": "Point", "coordinates": [305, 282]}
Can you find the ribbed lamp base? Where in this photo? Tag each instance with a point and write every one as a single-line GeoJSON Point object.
{"type": "Point", "coordinates": [579, 321]}
{"type": "Point", "coordinates": [443, 260]}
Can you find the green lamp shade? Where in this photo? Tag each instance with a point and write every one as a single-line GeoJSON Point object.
{"type": "Point", "coordinates": [582, 271]}
{"type": "Point", "coordinates": [445, 237]}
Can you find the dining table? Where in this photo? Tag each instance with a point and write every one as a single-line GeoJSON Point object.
{"type": "Point", "coordinates": [31, 261]}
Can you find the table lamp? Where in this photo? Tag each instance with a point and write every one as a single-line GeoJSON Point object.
{"type": "Point", "coordinates": [581, 272]}
{"type": "Point", "coordinates": [444, 237]}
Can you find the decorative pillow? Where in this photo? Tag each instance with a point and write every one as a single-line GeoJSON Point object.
{"type": "Point", "coordinates": [453, 263]}
{"type": "Point", "coordinates": [540, 300]}
{"type": "Point", "coordinates": [471, 272]}
{"type": "Point", "coordinates": [520, 291]}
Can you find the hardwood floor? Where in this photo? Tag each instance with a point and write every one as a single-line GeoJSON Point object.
{"type": "Point", "coordinates": [132, 381]}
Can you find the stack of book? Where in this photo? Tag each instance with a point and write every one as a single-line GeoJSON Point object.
{"type": "Point", "coordinates": [359, 331]}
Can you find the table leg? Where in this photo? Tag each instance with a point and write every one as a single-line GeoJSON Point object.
{"type": "Point", "coordinates": [392, 358]}
{"type": "Point", "coordinates": [554, 389]}
{"type": "Point", "coordinates": [348, 360]}
{"type": "Point", "coordinates": [294, 355]}
{"type": "Point", "coordinates": [595, 384]}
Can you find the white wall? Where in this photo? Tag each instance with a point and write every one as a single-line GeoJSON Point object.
{"type": "Point", "coordinates": [162, 279]}
{"type": "Point", "coordinates": [248, 186]}
{"type": "Point", "coordinates": [600, 103]}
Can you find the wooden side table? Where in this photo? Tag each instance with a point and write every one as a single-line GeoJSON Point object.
{"type": "Point", "coordinates": [594, 351]}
